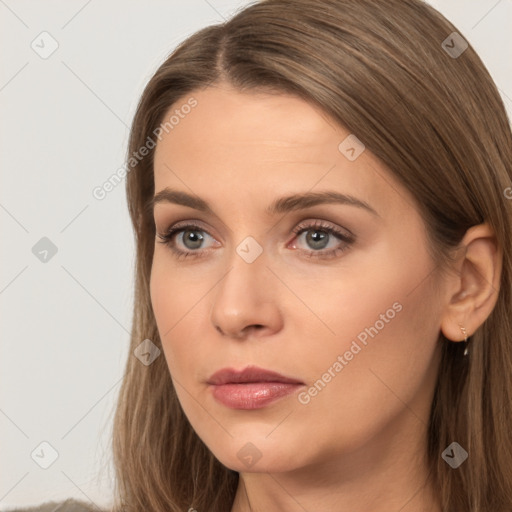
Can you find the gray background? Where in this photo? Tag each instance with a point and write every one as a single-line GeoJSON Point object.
{"type": "Point", "coordinates": [64, 124]}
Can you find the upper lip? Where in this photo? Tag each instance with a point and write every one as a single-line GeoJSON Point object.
{"type": "Point", "coordinates": [248, 374]}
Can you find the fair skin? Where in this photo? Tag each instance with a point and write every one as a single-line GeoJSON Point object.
{"type": "Point", "coordinates": [359, 443]}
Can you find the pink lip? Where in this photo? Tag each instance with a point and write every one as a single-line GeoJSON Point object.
{"type": "Point", "coordinates": [250, 388]}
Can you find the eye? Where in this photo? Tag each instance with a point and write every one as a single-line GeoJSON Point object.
{"type": "Point", "coordinates": [324, 240]}
{"type": "Point", "coordinates": [321, 236]}
{"type": "Point", "coordinates": [190, 236]}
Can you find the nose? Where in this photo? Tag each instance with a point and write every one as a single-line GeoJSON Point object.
{"type": "Point", "coordinates": [245, 302]}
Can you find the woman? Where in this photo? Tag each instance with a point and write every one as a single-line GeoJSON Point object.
{"type": "Point", "coordinates": [360, 307]}
{"type": "Point", "coordinates": [321, 198]}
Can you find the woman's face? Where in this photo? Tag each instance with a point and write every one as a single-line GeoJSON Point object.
{"type": "Point", "coordinates": [339, 296]}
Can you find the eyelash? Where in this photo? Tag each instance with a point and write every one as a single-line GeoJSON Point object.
{"type": "Point", "coordinates": [168, 239]}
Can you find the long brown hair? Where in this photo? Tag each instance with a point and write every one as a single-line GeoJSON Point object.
{"type": "Point", "coordinates": [394, 74]}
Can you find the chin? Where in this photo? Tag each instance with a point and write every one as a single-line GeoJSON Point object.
{"type": "Point", "coordinates": [256, 454]}
{"type": "Point", "coordinates": [266, 464]}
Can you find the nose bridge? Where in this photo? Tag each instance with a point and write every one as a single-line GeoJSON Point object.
{"type": "Point", "coordinates": [242, 297]}
{"type": "Point", "coordinates": [247, 272]}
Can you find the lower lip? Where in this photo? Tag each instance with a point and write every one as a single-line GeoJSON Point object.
{"type": "Point", "coordinates": [252, 395]}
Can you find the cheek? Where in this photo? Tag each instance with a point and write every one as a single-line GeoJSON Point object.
{"type": "Point", "coordinates": [376, 298]}
{"type": "Point", "coordinates": [177, 299]}
{"type": "Point", "coordinates": [381, 355]}
{"type": "Point", "coordinates": [167, 300]}
{"type": "Point", "coordinates": [385, 381]}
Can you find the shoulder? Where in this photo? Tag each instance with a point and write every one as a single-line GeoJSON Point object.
{"type": "Point", "coordinates": [69, 505]}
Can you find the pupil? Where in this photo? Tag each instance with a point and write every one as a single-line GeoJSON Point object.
{"type": "Point", "coordinates": [317, 242]}
{"type": "Point", "coordinates": [193, 238]}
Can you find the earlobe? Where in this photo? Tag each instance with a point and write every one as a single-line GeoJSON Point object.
{"type": "Point", "coordinates": [473, 289]}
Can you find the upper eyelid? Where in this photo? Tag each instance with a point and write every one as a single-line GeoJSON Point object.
{"type": "Point", "coordinates": [308, 223]}
{"type": "Point", "coordinates": [187, 223]}
{"type": "Point", "coordinates": [310, 209]}
{"type": "Point", "coordinates": [192, 220]}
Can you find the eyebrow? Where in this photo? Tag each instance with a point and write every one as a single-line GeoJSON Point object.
{"type": "Point", "coordinates": [280, 205]}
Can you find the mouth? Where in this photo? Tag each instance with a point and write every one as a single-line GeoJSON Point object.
{"type": "Point", "coordinates": [250, 388]}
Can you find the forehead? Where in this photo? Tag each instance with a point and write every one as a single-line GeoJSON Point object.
{"type": "Point", "coordinates": [260, 144]}
{"type": "Point", "coordinates": [226, 118]}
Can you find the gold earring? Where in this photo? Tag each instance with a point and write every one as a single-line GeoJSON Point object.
{"type": "Point", "coordinates": [464, 332]}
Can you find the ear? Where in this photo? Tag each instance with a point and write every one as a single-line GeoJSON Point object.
{"type": "Point", "coordinates": [473, 292]}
